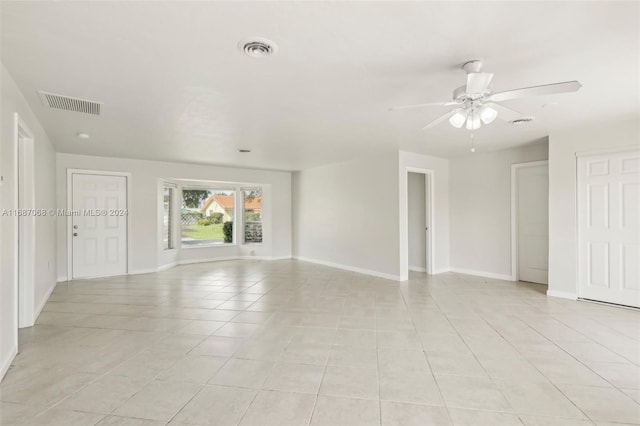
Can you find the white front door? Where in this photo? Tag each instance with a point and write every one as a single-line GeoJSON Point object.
{"type": "Point", "coordinates": [609, 228]}
{"type": "Point", "coordinates": [99, 226]}
{"type": "Point", "coordinates": [533, 223]}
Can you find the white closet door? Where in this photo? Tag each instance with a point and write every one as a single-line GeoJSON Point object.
{"type": "Point", "coordinates": [609, 228]}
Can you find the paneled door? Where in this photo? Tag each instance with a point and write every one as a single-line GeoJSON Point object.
{"type": "Point", "coordinates": [99, 225]}
{"type": "Point", "coordinates": [609, 228]}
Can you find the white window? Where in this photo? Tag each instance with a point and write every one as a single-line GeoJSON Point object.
{"type": "Point", "coordinates": [252, 215]}
{"type": "Point", "coordinates": [167, 217]}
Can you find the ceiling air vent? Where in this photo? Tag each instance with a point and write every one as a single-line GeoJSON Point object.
{"type": "Point", "coordinates": [258, 47]}
{"type": "Point", "coordinates": [70, 104]}
{"type": "Point", "coordinates": [521, 120]}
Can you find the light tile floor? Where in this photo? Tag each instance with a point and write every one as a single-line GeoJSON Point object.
{"type": "Point", "coordinates": [292, 343]}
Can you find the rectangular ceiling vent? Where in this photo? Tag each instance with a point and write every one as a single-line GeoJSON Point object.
{"type": "Point", "coordinates": [70, 104]}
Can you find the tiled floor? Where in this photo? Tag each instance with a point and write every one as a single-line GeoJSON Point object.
{"type": "Point", "coordinates": [291, 343]}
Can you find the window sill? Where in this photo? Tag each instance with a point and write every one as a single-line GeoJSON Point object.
{"type": "Point", "coordinates": [207, 246]}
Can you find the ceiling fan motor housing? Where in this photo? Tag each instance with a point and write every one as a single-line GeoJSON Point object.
{"type": "Point", "coordinates": [472, 66]}
{"type": "Point", "coordinates": [461, 96]}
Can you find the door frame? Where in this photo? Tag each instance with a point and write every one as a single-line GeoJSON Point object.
{"type": "Point", "coordinates": [429, 212]}
{"type": "Point", "coordinates": [70, 173]}
{"type": "Point", "coordinates": [515, 275]}
{"type": "Point", "coordinates": [24, 242]}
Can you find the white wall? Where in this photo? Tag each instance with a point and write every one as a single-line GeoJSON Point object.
{"type": "Point", "coordinates": [440, 234]}
{"type": "Point", "coordinates": [481, 209]}
{"type": "Point", "coordinates": [146, 242]}
{"type": "Point", "coordinates": [417, 222]}
{"type": "Point", "coordinates": [563, 146]}
{"type": "Point", "coordinates": [346, 215]}
{"type": "Point", "coordinates": [13, 101]}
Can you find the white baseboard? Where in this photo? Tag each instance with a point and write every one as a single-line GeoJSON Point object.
{"type": "Point", "coordinates": [43, 302]}
{"type": "Point", "coordinates": [191, 261]}
{"type": "Point", "coordinates": [167, 266]}
{"type": "Point", "coordinates": [349, 268]}
{"type": "Point", "coordinates": [220, 259]}
{"type": "Point", "coordinates": [4, 367]}
{"type": "Point", "coordinates": [482, 274]}
{"type": "Point", "coordinates": [207, 259]}
{"type": "Point", "coordinates": [562, 294]}
{"type": "Point", "coordinates": [140, 271]}
{"type": "Point", "coordinates": [416, 269]}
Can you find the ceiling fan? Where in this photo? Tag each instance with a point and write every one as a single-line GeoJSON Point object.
{"type": "Point", "coordinates": [476, 103]}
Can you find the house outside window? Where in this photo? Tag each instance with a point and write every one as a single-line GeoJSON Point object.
{"type": "Point", "coordinates": [252, 215]}
{"type": "Point", "coordinates": [207, 216]}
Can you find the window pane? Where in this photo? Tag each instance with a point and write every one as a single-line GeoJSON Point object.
{"type": "Point", "coordinates": [207, 216]}
{"type": "Point", "coordinates": [167, 234]}
{"type": "Point", "coordinates": [252, 215]}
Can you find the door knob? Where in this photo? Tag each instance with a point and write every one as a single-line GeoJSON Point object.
{"type": "Point", "coordinates": [75, 234]}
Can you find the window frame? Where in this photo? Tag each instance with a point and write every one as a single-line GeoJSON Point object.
{"type": "Point", "coordinates": [244, 215]}
{"type": "Point", "coordinates": [171, 220]}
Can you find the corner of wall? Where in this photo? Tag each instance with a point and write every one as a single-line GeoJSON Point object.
{"type": "Point", "coordinates": [40, 304]}
{"type": "Point", "coordinates": [480, 209]}
{"type": "Point", "coordinates": [6, 363]}
{"type": "Point", "coordinates": [562, 294]}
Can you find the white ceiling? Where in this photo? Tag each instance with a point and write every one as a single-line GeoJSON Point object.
{"type": "Point", "coordinates": [176, 87]}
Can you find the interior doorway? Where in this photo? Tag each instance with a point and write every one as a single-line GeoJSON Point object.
{"type": "Point", "coordinates": [419, 220]}
{"type": "Point", "coordinates": [24, 223]}
{"type": "Point", "coordinates": [530, 222]}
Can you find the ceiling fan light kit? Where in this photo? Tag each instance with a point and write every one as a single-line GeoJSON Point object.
{"type": "Point", "coordinates": [476, 104]}
{"type": "Point", "coordinates": [473, 120]}
{"type": "Point", "coordinates": [459, 117]}
{"type": "Point", "coordinates": [488, 114]}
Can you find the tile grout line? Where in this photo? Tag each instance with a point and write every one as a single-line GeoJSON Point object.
{"type": "Point", "coordinates": [424, 353]}
{"type": "Point", "coordinates": [537, 369]}
{"type": "Point", "coordinates": [619, 389]}
{"type": "Point", "coordinates": [333, 287]}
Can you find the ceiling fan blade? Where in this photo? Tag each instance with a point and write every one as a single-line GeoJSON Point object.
{"type": "Point", "coordinates": [424, 105]}
{"type": "Point", "coordinates": [478, 82]}
{"type": "Point", "coordinates": [525, 92]}
{"type": "Point", "coordinates": [439, 120]}
{"type": "Point", "coordinates": [504, 113]}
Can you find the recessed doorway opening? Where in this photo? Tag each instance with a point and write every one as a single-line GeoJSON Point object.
{"type": "Point", "coordinates": [530, 222]}
{"type": "Point", "coordinates": [420, 251]}
{"type": "Point", "coordinates": [24, 223]}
